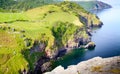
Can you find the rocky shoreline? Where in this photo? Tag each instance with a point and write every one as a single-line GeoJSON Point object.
{"type": "Point", "coordinates": [44, 63]}
{"type": "Point", "coordinates": [95, 65]}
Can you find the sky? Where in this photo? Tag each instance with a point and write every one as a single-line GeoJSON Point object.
{"type": "Point", "coordinates": [82, 0]}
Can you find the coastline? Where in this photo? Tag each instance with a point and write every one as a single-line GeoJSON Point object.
{"type": "Point", "coordinates": [46, 65]}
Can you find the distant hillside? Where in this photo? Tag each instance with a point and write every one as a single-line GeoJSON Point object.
{"type": "Point", "coordinates": [90, 5]}
{"type": "Point", "coordinates": [93, 5]}
{"type": "Point", "coordinates": [23, 5]}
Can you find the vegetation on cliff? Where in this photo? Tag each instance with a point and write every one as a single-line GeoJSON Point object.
{"type": "Point", "coordinates": [26, 36]}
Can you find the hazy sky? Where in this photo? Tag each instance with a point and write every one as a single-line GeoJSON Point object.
{"type": "Point", "coordinates": [77, 0]}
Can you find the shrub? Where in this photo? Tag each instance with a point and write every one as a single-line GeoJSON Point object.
{"type": "Point", "coordinates": [28, 42]}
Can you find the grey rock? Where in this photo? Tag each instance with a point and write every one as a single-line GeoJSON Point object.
{"type": "Point", "coordinates": [90, 45]}
{"type": "Point", "coordinates": [95, 65]}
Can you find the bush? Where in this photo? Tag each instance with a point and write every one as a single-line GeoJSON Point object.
{"type": "Point", "coordinates": [63, 32]}
{"type": "Point", "coordinates": [28, 42]}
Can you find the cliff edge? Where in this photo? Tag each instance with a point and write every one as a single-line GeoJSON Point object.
{"type": "Point", "coordinates": [95, 65]}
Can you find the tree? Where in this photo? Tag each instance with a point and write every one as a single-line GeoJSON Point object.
{"type": "Point", "coordinates": [22, 4]}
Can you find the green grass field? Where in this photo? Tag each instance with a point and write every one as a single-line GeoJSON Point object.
{"type": "Point", "coordinates": [11, 17]}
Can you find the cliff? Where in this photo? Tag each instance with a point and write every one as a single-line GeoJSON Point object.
{"type": "Point", "coordinates": [30, 39]}
{"type": "Point", "coordinates": [95, 65]}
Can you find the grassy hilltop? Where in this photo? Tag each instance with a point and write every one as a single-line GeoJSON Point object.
{"type": "Point", "coordinates": [26, 36]}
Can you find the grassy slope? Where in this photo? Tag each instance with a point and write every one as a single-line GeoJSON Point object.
{"type": "Point", "coordinates": [10, 57]}
{"type": "Point", "coordinates": [15, 55]}
{"type": "Point", "coordinates": [11, 17]}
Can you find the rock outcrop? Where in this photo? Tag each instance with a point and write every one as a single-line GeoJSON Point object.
{"type": "Point", "coordinates": [96, 65]}
{"type": "Point", "coordinates": [90, 45]}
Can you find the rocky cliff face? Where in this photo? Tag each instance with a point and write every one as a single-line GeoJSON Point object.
{"type": "Point", "coordinates": [70, 36]}
{"type": "Point", "coordinates": [67, 36]}
{"type": "Point", "coordinates": [95, 65]}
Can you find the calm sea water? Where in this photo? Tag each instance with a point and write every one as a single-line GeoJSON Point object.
{"type": "Point", "coordinates": [107, 38]}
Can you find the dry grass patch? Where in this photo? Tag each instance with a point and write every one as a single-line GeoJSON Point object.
{"type": "Point", "coordinates": [115, 71]}
{"type": "Point", "coordinates": [6, 39]}
{"type": "Point", "coordinates": [96, 68]}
